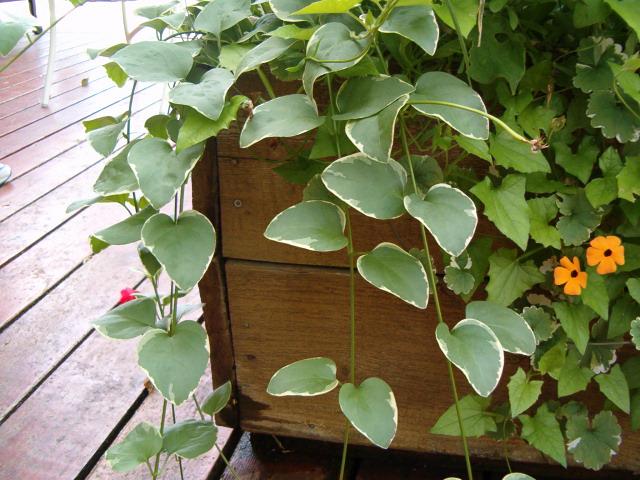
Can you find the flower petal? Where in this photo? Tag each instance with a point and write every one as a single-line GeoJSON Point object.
{"type": "Point", "coordinates": [600, 243]}
{"type": "Point", "coordinates": [572, 287]}
{"type": "Point", "coordinates": [613, 241]}
{"type": "Point", "coordinates": [607, 265]}
{"type": "Point", "coordinates": [594, 256]}
{"type": "Point", "coordinates": [582, 279]}
{"type": "Point", "coordinates": [566, 263]}
{"type": "Point", "coordinates": [561, 275]}
{"type": "Point", "coordinates": [618, 255]}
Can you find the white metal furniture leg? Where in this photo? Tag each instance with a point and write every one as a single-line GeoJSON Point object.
{"type": "Point", "coordinates": [48, 79]}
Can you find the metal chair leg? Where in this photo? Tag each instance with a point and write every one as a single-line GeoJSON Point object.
{"type": "Point", "coordinates": [53, 40]}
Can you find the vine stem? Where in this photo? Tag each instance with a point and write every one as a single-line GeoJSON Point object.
{"type": "Point", "coordinates": [267, 84]}
{"type": "Point", "coordinates": [436, 301]}
{"type": "Point", "coordinates": [162, 420]}
{"type": "Point", "coordinates": [486, 115]}
{"type": "Point", "coordinates": [352, 290]}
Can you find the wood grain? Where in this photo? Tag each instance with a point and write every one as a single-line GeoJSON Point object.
{"type": "Point", "coordinates": [281, 314]}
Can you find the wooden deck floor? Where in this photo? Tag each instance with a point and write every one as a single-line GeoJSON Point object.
{"type": "Point", "coordinates": [66, 393]}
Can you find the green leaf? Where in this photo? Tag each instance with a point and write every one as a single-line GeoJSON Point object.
{"type": "Point", "coordinates": [104, 139]}
{"type": "Point", "coordinates": [578, 219]}
{"type": "Point", "coordinates": [155, 10]}
{"type": "Point", "coordinates": [623, 312]}
{"type": "Point", "coordinates": [476, 418]}
{"type": "Point", "coordinates": [443, 87]}
{"type": "Point", "coordinates": [575, 321]}
{"type": "Point", "coordinates": [284, 9]}
{"type": "Point", "coordinates": [328, 6]}
{"type": "Point", "coordinates": [116, 176]}
{"type": "Point", "coordinates": [511, 153]}
{"type": "Point", "coordinates": [313, 225]}
{"type": "Point", "coordinates": [264, 52]}
{"type": "Point", "coordinates": [218, 399]}
{"type": "Point", "coordinates": [142, 443]}
{"type": "Point", "coordinates": [373, 188]}
{"type": "Point", "coordinates": [522, 392]}
{"type": "Point", "coordinates": [635, 411]}
{"type": "Point", "coordinates": [371, 408]}
{"type": "Point", "coordinates": [393, 270]}
{"type": "Point", "coordinates": [573, 376]}
{"type": "Point", "coordinates": [635, 332]}
{"type": "Point", "coordinates": [613, 385]}
{"type": "Point", "coordinates": [543, 210]}
{"type": "Point", "coordinates": [184, 247]}
{"type": "Point", "coordinates": [629, 179]}
{"type": "Point", "coordinates": [124, 232]}
{"type": "Point", "coordinates": [458, 280]}
{"type": "Point", "coordinates": [159, 170]}
{"type": "Point", "coordinates": [150, 263]}
{"type": "Point", "coordinates": [207, 96]}
{"type": "Point", "coordinates": [157, 125]}
{"type": "Point", "coordinates": [154, 61]}
{"type": "Point", "coordinates": [581, 163]}
{"type": "Point", "coordinates": [593, 445]}
{"type": "Point", "coordinates": [12, 28]}
{"type": "Point", "coordinates": [190, 438]}
{"type": "Point", "coordinates": [285, 116]}
{"type": "Point", "coordinates": [175, 363]}
{"type": "Point", "coordinates": [552, 356]}
{"type": "Point", "coordinates": [506, 207]}
{"type": "Point", "coordinates": [628, 11]}
{"type": "Point", "coordinates": [417, 23]}
{"type": "Point", "coordinates": [116, 73]}
{"type": "Point", "coordinates": [361, 97]}
{"type": "Point", "coordinates": [448, 214]}
{"type": "Point", "coordinates": [220, 15]}
{"type": "Point", "coordinates": [78, 204]}
{"type": "Point", "coordinates": [198, 128]}
{"type": "Point", "coordinates": [231, 55]}
{"type": "Point", "coordinates": [511, 329]}
{"type": "Point", "coordinates": [542, 431]}
{"type": "Point", "coordinates": [478, 148]}
{"type": "Point", "coordinates": [601, 191]}
{"type": "Point", "coordinates": [327, 50]}
{"type": "Point", "coordinates": [475, 350]}
{"type": "Point", "coordinates": [501, 54]}
{"type": "Point", "coordinates": [509, 278]}
{"type": "Point", "coordinates": [466, 12]}
{"type": "Point", "coordinates": [299, 170]}
{"type": "Point", "coordinates": [540, 322]}
{"type": "Point", "coordinates": [373, 135]}
{"type": "Point", "coordinates": [128, 320]}
{"type": "Point", "coordinates": [304, 378]}
{"type": "Point", "coordinates": [612, 118]}
{"type": "Point", "coordinates": [292, 31]}
{"type": "Point", "coordinates": [633, 285]}
{"type": "Point", "coordinates": [595, 294]}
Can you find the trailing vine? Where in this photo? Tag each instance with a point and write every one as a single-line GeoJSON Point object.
{"type": "Point", "coordinates": [529, 109]}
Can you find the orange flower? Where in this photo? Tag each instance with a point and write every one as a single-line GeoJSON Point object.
{"type": "Point", "coordinates": [570, 275]}
{"type": "Point", "coordinates": [607, 253]}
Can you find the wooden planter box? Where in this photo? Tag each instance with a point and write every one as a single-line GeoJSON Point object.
{"type": "Point", "coordinates": [269, 304]}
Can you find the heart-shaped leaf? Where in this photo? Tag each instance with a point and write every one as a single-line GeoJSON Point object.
{"type": "Point", "coordinates": [361, 97]}
{"type": "Point", "coordinates": [373, 188]}
{"type": "Point", "coordinates": [207, 96]}
{"type": "Point", "coordinates": [477, 419]}
{"type": "Point", "coordinates": [443, 87]}
{"type": "Point", "coordinates": [304, 378]}
{"type": "Point", "coordinates": [542, 431]}
{"type": "Point", "coordinates": [415, 22]}
{"type": "Point", "coordinates": [328, 6]}
{"type": "Point", "coordinates": [219, 15]}
{"type": "Point", "coordinates": [615, 387]}
{"type": "Point", "coordinates": [116, 175]}
{"type": "Point", "coordinates": [175, 363]}
{"type": "Point", "coordinates": [522, 392]}
{"type": "Point", "coordinates": [122, 233]}
{"type": "Point", "coordinates": [393, 270]}
{"type": "Point", "coordinates": [184, 248]}
{"type": "Point", "coordinates": [154, 61]}
{"type": "Point", "coordinates": [371, 408]}
{"type": "Point", "coordinates": [264, 52]}
{"type": "Point", "coordinates": [142, 443]}
{"type": "Point", "coordinates": [160, 172]}
{"type": "Point", "coordinates": [104, 139]}
{"type": "Point", "coordinates": [373, 135]}
{"type": "Point", "coordinates": [128, 320]}
{"type": "Point", "coordinates": [475, 350]}
{"type": "Point", "coordinates": [285, 116]}
{"type": "Point", "coordinates": [512, 330]}
{"type": "Point", "coordinates": [449, 215]}
{"type": "Point", "coordinates": [217, 399]}
{"type": "Point", "coordinates": [313, 225]}
{"type": "Point", "coordinates": [189, 439]}
{"type": "Point", "coordinates": [593, 445]}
